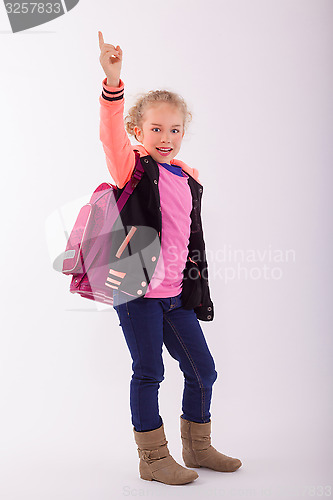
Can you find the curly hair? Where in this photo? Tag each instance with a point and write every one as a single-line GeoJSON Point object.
{"type": "Point", "coordinates": [135, 115]}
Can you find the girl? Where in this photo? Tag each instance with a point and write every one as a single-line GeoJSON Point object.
{"type": "Point", "coordinates": [154, 296]}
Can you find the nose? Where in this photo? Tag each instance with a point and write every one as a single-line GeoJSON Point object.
{"type": "Point", "coordinates": [165, 137]}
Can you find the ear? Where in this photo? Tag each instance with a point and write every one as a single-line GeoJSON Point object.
{"type": "Point", "coordinates": [138, 134]}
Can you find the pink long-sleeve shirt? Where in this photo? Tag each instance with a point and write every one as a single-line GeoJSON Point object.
{"type": "Point", "coordinates": [175, 194]}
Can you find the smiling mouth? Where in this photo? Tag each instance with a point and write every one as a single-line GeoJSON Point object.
{"type": "Point", "coordinates": [164, 150]}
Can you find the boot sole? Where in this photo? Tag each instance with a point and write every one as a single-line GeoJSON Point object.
{"type": "Point", "coordinates": [172, 484]}
{"type": "Point", "coordinates": [190, 466]}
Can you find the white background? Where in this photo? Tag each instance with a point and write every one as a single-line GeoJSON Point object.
{"type": "Point", "coordinates": [257, 75]}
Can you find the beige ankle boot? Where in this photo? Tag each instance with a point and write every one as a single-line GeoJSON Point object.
{"type": "Point", "coordinates": [156, 463]}
{"type": "Point", "coordinates": [198, 451]}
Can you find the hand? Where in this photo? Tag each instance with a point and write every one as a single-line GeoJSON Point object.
{"type": "Point", "coordinates": [111, 60]}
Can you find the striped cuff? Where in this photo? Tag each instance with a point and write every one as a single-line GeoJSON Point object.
{"type": "Point", "coordinates": [113, 93]}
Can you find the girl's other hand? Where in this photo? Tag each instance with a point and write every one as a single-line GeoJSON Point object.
{"type": "Point", "coordinates": [111, 60]}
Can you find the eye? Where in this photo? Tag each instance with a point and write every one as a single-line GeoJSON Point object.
{"type": "Point", "coordinates": [176, 129]}
{"type": "Point", "coordinates": [155, 128]}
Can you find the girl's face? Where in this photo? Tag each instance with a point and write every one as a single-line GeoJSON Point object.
{"type": "Point", "coordinates": [162, 128]}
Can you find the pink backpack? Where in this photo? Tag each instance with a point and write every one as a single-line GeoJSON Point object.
{"type": "Point", "coordinates": [88, 247]}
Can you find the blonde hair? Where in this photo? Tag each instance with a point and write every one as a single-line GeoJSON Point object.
{"type": "Point", "coordinates": [135, 115]}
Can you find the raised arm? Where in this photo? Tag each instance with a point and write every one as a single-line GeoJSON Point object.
{"type": "Point", "coordinates": [120, 157]}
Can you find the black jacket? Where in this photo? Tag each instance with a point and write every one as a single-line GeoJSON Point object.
{"type": "Point", "coordinates": [134, 263]}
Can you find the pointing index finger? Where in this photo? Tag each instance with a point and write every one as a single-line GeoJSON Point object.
{"type": "Point", "coordinates": [100, 39]}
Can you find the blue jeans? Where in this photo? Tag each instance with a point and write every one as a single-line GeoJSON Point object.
{"type": "Point", "coordinates": [146, 324]}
